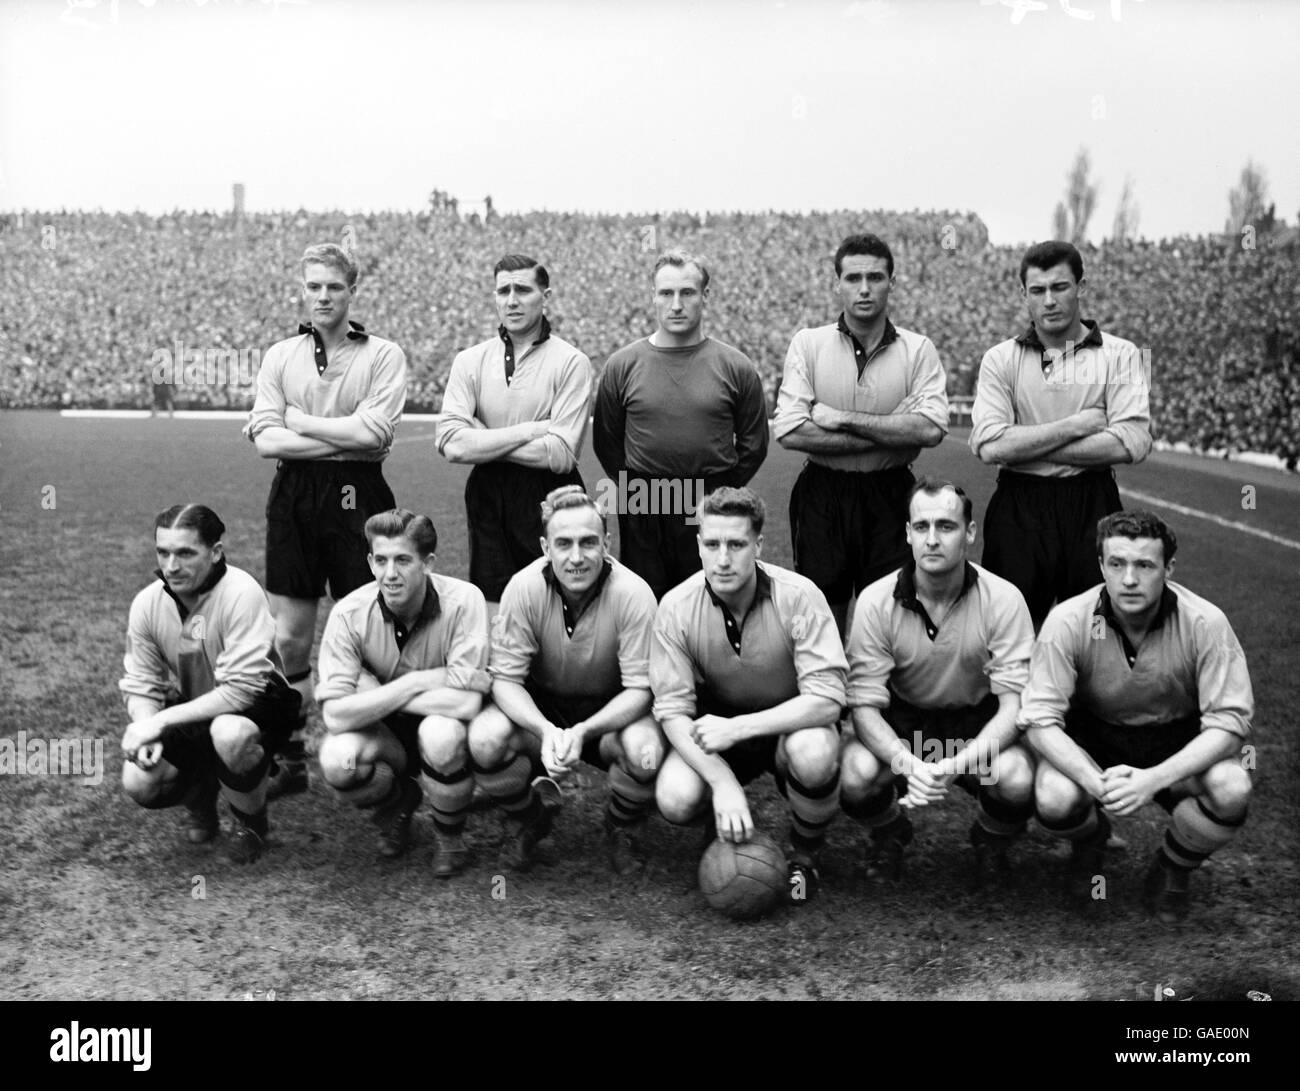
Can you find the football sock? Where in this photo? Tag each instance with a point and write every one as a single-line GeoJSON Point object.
{"type": "Point", "coordinates": [880, 809]}
{"type": "Point", "coordinates": [1076, 826]}
{"type": "Point", "coordinates": [373, 786]}
{"type": "Point", "coordinates": [812, 810]}
{"type": "Point", "coordinates": [1194, 833]}
{"type": "Point", "coordinates": [629, 798]}
{"type": "Point", "coordinates": [450, 794]}
{"type": "Point", "coordinates": [1000, 818]}
{"type": "Point", "coordinates": [510, 786]}
{"type": "Point", "coordinates": [255, 821]}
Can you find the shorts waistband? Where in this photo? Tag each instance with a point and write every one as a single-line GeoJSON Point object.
{"type": "Point", "coordinates": [321, 466]}
{"type": "Point", "coordinates": [1088, 477]}
{"type": "Point", "coordinates": [833, 472]}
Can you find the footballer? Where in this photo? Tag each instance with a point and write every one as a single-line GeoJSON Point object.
{"type": "Point", "coordinates": [1138, 693]}
{"type": "Point", "coordinates": [403, 669]}
{"type": "Point", "coordinates": [328, 403]}
{"type": "Point", "coordinates": [206, 696]}
{"type": "Point", "coordinates": [938, 654]}
{"type": "Point", "coordinates": [571, 681]}
{"type": "Point", "coordinates": [748, 674]}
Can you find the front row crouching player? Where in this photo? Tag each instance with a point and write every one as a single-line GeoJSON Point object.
{"type": "Point", "coordinates": [1138, 691]}
{"type": "Point", "coordinates": [938, 655]}
{"type": "Point", "coordinates": [204, 687]}
{"type": "Point", "coordinates": [571, 681]}
{"type": "Point", "coordinates": [403, 669]}
{"type": "Point", "coordinates": [748, 675]}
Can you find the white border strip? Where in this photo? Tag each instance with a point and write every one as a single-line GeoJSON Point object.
{"type": "Point", "coordinates": [1268, 536]}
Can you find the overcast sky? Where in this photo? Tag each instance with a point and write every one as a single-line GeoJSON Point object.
{"type": "Point", "coordinates": [651, 105]}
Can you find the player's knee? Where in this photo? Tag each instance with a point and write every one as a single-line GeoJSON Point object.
{"type": "Point", "coordinates": [678, 797]}
{"type": "Point", "coordinates": [642, 750]}
{"type": "Point", "coordinates": [813, 755]}
{"type": "Point", "coordinates": [143, 786]}
{"type": "Point", "coordinates": [1228, 787]}
{"type": "Point", "coordinates": [338, 760]}
{"type": "Point", "coordinates": [1056, 796]}
{"type": "Point", "coordinates": [489, 737]}
{"type": "Point", "coordinates": [860, 771]}
{"type": "Point", "coordinates": [237, 741]}
{"type": "Point", "coordinates": [1012, 776]}
{"type": "Point", "coordinates": [294, 647]}
{"type": "Point", "coordinates": [444, 742]}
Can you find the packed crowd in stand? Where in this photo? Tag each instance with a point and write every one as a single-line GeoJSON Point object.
{"type": "Point", "coordinates": [90, 302]}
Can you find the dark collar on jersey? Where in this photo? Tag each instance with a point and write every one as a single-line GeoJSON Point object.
{"type": "Point", "coordinates": [320, 358]}
{"type": "Point", "coordinates": [905, 592]}
{"type": "Point", "coordinates": [553, 582]}
{"type": "Point", "coordinates": [859, 353]}
{"type": "Point", "coordinates": [761, 591]}
{"type": "Point", "coordinates": [545, 334]}
{"type": "Point", "coordinates": [429, 610]}
{"type": "Point", "coordinates": [214, 577]}
{"type": "Point", "coordinates": [357, 332]}
{"type": "Point", "coordinates": [1030, 340]}
{"type": "Point", "coordinates": [1168, 604]}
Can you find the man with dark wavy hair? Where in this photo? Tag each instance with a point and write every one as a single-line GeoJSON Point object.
{"type": "Point", "coordinates": [1057, 408]}
{"type": "Point", "coordinates": [1139, 692]}
{"type": "Point", "coordinates": [860, 397]}
{"type": "Point", "coordinates": [516, 408]}
{"type": "Point", "coordinates": [204, 686]}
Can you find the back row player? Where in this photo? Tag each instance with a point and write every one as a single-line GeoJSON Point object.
{"type": "Point", "coordinates": [328, 403]}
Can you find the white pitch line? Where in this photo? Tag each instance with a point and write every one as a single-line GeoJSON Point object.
{"type": "Point", "coordinates": [1268, 536]}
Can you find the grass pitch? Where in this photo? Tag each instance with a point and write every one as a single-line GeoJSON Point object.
{"type": "Point", "coordinates": [100, 899]}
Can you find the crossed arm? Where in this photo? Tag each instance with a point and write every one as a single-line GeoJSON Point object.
{"type": "Point", "coordinates": [421, 693]}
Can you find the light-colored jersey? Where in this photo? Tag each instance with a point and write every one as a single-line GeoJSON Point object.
{"type": "Point", "coordinates": [981, 647]}
{"type": "Point", "coordinates": [1189, 664]}
{"type": "Point", "coordinates": [363, 634]}
{"type": "Point", "coordinates": [551, 381]}
{"type": "Point", "coordinates": [822, 365]}
{"type": "Point", "coordinates": [1019, 383]}
{"type": "Point", "coordinates": [366, 376]}
{"type": "Point", "coordinates": [597, 654]}
{"type": "Point", "coordinates": [226, 643]}
{"type": "Point", "coordinates": [788, 644]}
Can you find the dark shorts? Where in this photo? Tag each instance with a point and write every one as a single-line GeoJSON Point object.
{"type": "Point", "coordinates": [503, 510]}
{"type": "Point", "coordinates": [564, 712]}
{"type": "Point", "coordinates": [406, 727]}
{"type": "Point", "coordinates": [749, 759]}
{"type": "Point", "coordinates": [1141, 747]}
{"type": "Point", "coordinates": [958, 725]}
{"type": "Point", "coordinates": [848, 528]}
{"type": "Point", "coordinates": [947, 724]}
{"type": "Point", "coordinates": [315, 526]}
{"type": "Point", "coordinates": [1041, 534]}
{"type": "Point", "coordinates": [189, 746]}
{"type": "Point", "coordinates": [662, 548]}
